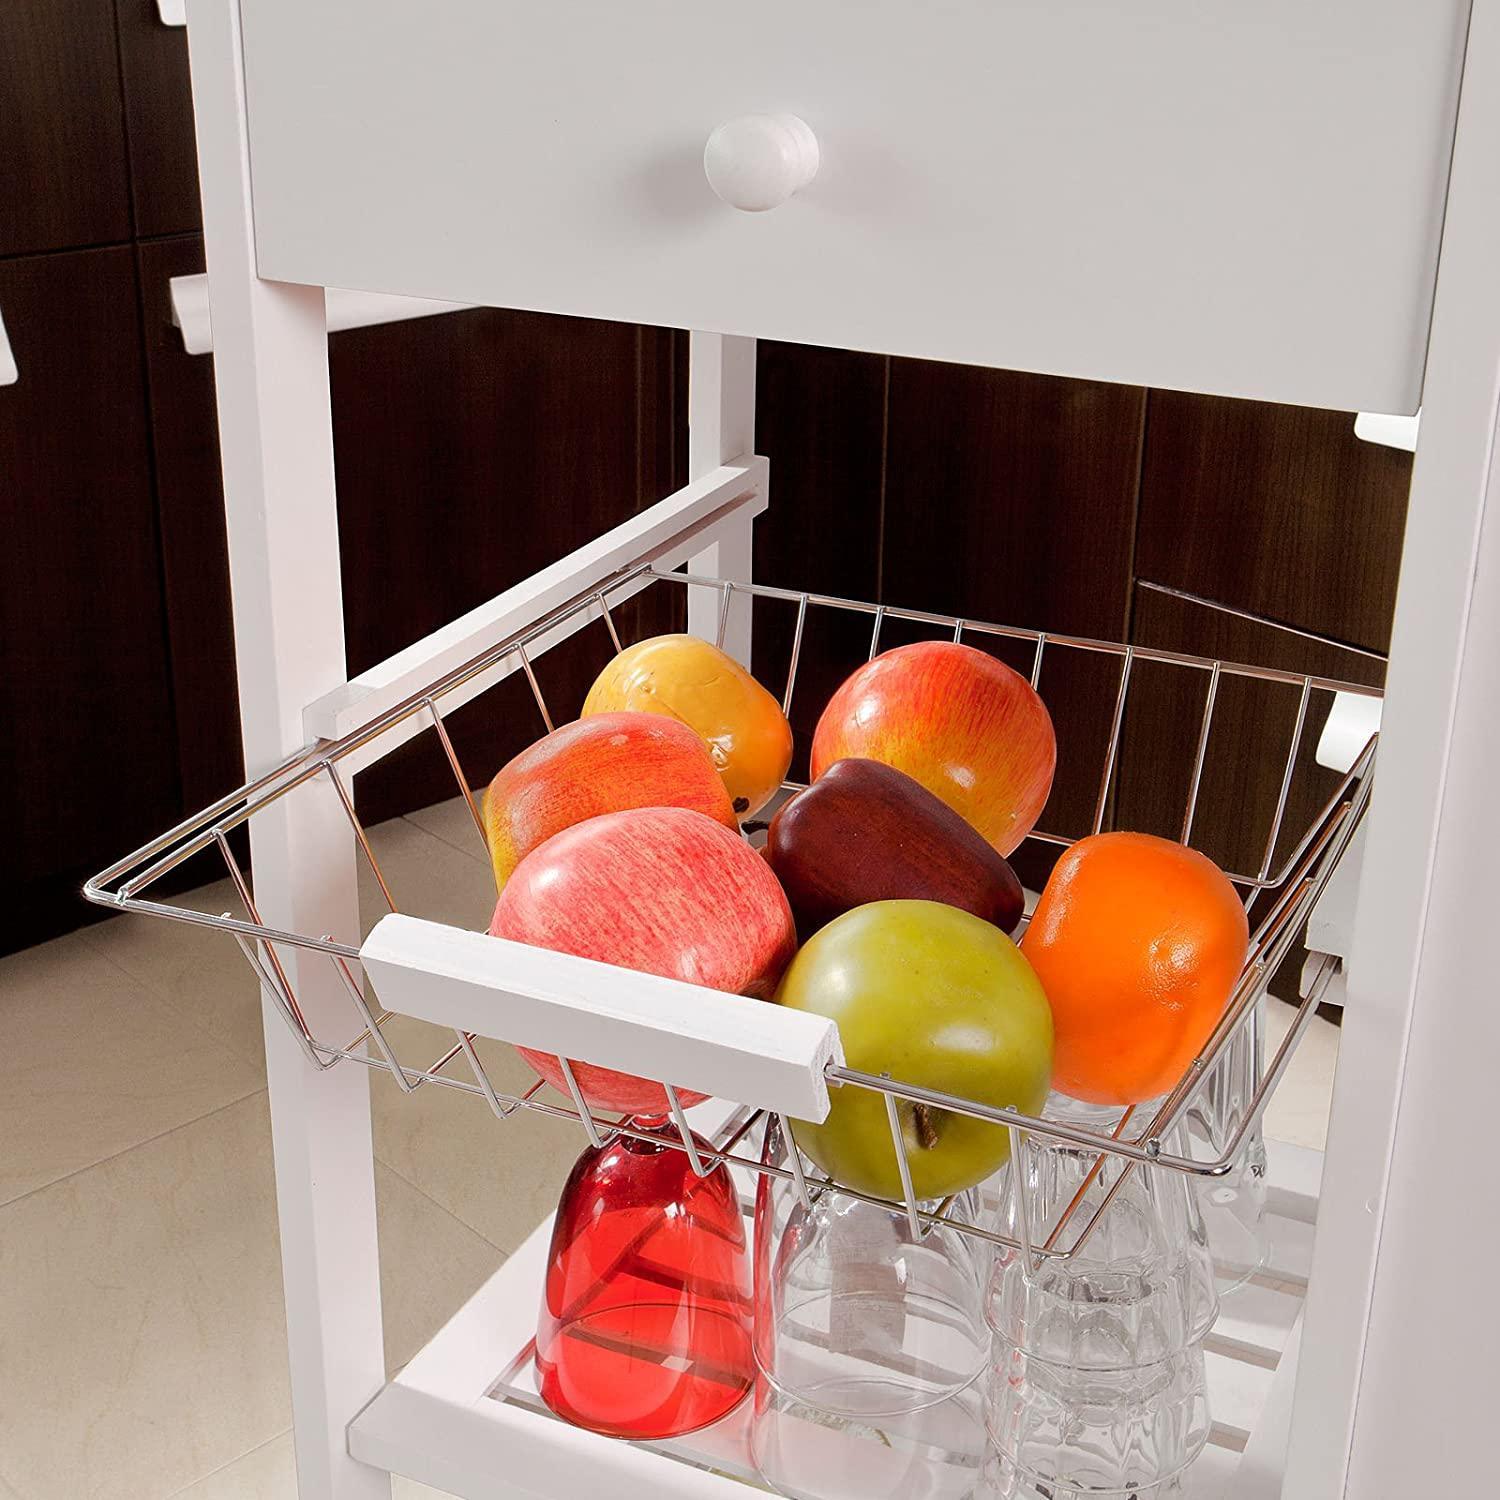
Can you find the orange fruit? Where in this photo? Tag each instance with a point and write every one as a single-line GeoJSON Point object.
{"type": "Point", "coordinates": [1138, 943]}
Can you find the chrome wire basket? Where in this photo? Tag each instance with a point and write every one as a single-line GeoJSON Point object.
{"type": "Point", "coordinates": [1281, 886]}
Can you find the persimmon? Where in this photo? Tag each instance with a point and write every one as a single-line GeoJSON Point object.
{"type": "Point", "coordinates": [1138, 943]}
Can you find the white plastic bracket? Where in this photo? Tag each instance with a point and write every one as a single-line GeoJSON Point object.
{"type": "Point", "coordinates": [1330, 929]}
{"type": "Point", "coordinates": [189, 298]}
{"type": "Point", "coordinates": [751, 1051]}
{"type": "Point", "coordinates": [172, 12]}
{"type": "Point", "coordinates": [1388, 431]}
{"type": "Point", "coordinates": [9, 374]}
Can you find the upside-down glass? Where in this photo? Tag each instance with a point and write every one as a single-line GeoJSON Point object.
{"type": "Point", "coordinates": [805, 1453]}
{"type": "Point", "coordinates": [855, 1313]}
{"type": "Point", "coordinates": [1234, 1206]}
{"type": "Point", "coordinates": [644, 1330]}
{"type": "Point", "coordinates": [1097, 1383]}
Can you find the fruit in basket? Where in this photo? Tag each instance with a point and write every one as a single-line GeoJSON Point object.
{"type": "Point", "coordinates": [1139, 943]}
{"type": "Point", "coordinates": [932, 996]}
{"type": "Point", "coordinates": [864, 831]}
{"type": "Point", "coordinates": [692, 681]}
{"type": "Point", "coordinates": [664, 890]}
{"type": "Point", "coordinates": [608, 763]}
{"type": "Point", "coordinates": [962, 723]}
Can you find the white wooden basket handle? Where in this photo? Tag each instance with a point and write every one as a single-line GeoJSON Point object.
{"type": "Point", "coordinates": [751, 1051]}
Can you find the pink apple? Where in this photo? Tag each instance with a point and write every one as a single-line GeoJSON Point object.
{"type": "Point", "coordinates": [663, 890]}
{"type": "Point", "coordinates": [957, 720]}
{"type": "Point", "coordinates": [598, 765]}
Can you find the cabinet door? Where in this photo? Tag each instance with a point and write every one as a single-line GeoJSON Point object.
{"type": "Point", "coordinates": [159, 120]}
{"type": "Point", "coordinates": [88, 764]}
{"type": "Point", "coordinates": [62, 168]}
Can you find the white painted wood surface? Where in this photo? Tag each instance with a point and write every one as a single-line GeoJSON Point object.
{"type": "Point", "coordinates": [729, 1046]}
{"type": "Point", "coordinates": [1215, 196]}
{"type": "Point", "coordinates": [1400, 1334]}
{"type": "Point", "coordinates": [190, 310]}
{"type": "Point", "coordinates": [276, 440]}
{"type": "Point", "coordinates": [1262, 1466]}
{"type": "Point", "coordinates": [721, 427]}
{"type": "Point", "coordinates": [672, 529]}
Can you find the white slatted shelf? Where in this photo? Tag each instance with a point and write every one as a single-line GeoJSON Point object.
{"type": "Point", "coordinates": [465, 1414]}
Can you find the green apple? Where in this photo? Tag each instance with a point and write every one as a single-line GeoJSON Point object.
{"type": "Point", "coordinates": [932, 996]}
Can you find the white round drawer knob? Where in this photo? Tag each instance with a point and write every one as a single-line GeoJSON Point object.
{"type": "Point", "coordinates": [758, 161]}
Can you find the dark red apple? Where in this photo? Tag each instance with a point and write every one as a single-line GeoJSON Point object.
{"type": "Point", "coordinates": [864, 831]}
{"type": "Point", "coordinates": [663, 890]}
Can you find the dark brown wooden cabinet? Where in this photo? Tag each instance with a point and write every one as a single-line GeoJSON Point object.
{"type": "Point", "coordinates": [195, 563]}
{"type": "Point", "coordinates": [820, 419]}
{"type": "Point", "coordinates": [159, 115]}
{"type": "Point", "coordinates": [1012, 498]}
{"type": "Point", "coordinates": [87, 759]}
{"type": "Point", "coordinates": [472, 450]}
{"type": "Point", "coordinates": [63, 179]}
{"type": "Point", "coordinates": [1277, 510]}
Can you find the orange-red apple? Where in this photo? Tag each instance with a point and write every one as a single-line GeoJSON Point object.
{"type": "Point", "coordinates": [607, 763]}
{"type": "Point", "coordinates": [663, 890]}
{"type": "Point", "coordinates": [958, 721]}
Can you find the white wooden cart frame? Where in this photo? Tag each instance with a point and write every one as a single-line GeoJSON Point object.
{"type": "Point", "coordinates": [1391, 1363]}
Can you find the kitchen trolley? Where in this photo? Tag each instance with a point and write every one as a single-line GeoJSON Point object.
{"type": "Point", "coordinates": [1313, 221]}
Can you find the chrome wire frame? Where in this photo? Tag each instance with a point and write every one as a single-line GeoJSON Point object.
{"type": "Point", "coordinates": [1292, 889]}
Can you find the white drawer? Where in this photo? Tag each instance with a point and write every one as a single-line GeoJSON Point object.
{"type": "Point", "coordinates": [1240, 196]}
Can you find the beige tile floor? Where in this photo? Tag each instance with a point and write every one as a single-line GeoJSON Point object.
{"type": "Point", "coordinates": [142, 1337]}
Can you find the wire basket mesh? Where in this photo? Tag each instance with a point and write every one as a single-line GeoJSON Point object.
{"type": "Point", "coordinates": [1280, 855]}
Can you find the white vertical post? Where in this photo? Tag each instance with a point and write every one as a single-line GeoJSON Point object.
{"type": "Point", "coordinates": [1397, 1379]}
{"type": "Point", "coordinates": [721, 427]}
{"type": "Point", "coordinates": [271, 367]}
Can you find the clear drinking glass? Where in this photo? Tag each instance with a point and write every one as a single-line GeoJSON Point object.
{"type": "Point", "coordinates": [1097, 1382]}
{"type": "Point", "coordinates": [644, 1329]}
{"type": "Point", "coordinates": [1234, 1206]}
{"type": "Point", "coordinates": [855, 1313]}
{"type": "Point", "coordinates": [805, 1453]}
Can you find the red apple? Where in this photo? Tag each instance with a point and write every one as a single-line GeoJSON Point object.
{"type": "Point", "coordinates": [660, 889]}
{"type": "Point", "coordinates": [602, 764]}
{"type": "Point", "coordinates": [958, 721]}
